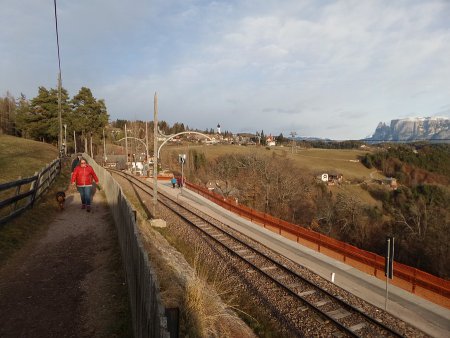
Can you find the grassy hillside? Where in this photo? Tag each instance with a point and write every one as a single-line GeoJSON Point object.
{"type": "Point", "coordinates": [314, 160]}
{"type": "Point", "coordinates": [21, 157]}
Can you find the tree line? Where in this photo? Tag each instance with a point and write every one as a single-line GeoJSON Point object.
{"type": "Point", "coordinates": [37, 118]}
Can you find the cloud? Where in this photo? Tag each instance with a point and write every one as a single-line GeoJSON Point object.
{"type": "Point", "coordinates": [250, 65]}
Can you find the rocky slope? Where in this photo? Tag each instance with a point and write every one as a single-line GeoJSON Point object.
{"type": "Point", "coordinates": [409, 129]}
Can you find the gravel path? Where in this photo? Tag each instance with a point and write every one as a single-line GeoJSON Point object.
{"type": "Point", "coordinates": [70, 282]}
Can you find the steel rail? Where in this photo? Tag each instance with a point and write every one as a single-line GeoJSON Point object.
{"type": "Point", "coordinates": [286, 288]}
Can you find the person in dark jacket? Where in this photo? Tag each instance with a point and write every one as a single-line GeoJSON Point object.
{"type": "Point", "coordinates": [76, 162]}
{"type": "Point", "coordinates": [83, 175]}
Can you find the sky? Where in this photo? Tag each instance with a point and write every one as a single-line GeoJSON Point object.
{"type": "Point", "coordinates": [329, 69]}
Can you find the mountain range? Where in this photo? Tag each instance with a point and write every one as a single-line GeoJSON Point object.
{"type": "Point", "coordinates": [413, 129]}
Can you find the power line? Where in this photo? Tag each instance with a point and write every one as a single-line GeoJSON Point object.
{"type": "Point", "coordinates": [59, 85]}
{"type": "Point", "coordinates": [57, 38]}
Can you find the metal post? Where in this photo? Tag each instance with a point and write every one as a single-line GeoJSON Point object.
{"type": "Point", "coordinates": [92, 153]}
{"type": "Point", "coordinates": [65, 139]}
{"type": "Point", "coordinates": [59, 114]}
{"type": "Point", "coordinates": [155, 153]}
{"type": "Point", "coordinates": [182, 175]}
{"type": "Point", "coordinates": [388, 257]}
{"type": "Point", "coordinates": [146, 140]}
{"type": "Point", "coordinates": [126, 146]}
{"type": "Point", "coordinates": [104, 146]}
{"type": "Point", "coordinates": [75, 141]}
{"type": "Point", "coordinates": [182, 159]}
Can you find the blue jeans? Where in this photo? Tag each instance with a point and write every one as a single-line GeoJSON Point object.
{"type": "Point", "coordinates": [85, 193]}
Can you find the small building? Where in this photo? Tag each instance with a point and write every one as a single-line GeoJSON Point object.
{"type": "Point", "coordinates": [270, 141]}
{"type": "Point", "coordinates": [391, 181]}
{"type": "Point", "coordinates": [331, 179]}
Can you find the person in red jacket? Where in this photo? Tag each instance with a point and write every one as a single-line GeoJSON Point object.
{"type": "Point", "coordinates": [83, 176]}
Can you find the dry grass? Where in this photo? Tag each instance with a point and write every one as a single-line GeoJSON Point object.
{"type": "Point", "coordinates": [16, 233]}
{"type": "Point", "coordinates": [196, 290]}
{"type": "Point", "coordinates": [21, 157]}
{"type": "Point", "coordinates": [204, 298]}
{"type": "Point", "coordinates": [356, 190]}
{"type": "Point", "coordinates": [313, 160]}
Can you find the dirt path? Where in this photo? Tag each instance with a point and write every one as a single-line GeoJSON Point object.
{"type": "Point", "coordinates": [69, 283]}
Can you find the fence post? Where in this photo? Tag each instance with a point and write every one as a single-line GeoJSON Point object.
{"type": "Point", "coordinates": [35, 187]}
{"type": "Point", "coordinates": [54, 171]}
{"type": "Point", "coordinates": [14, 207]}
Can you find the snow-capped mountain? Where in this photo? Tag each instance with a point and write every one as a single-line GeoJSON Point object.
{"type": "Point", "coordinates": [409, 129]}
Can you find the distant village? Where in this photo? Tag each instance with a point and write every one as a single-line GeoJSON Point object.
{"type": "Point", "coordinates": [138, 164]}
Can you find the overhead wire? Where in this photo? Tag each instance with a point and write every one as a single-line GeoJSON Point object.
{"type": "Point", "coordinates": [57, 38]}
{"type": "Point", "coordinates": [60, 143]}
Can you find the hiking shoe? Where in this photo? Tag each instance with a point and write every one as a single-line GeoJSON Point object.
{"type": "Point", "coordinates": [83, 206]}
{"type": "Point", "coordinates": [88, 209]}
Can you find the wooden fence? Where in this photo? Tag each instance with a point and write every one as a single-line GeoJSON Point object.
{"type": "Point", "coordinates": [147, 309]}
{"type": "Point", "coordinates": [19, 195]}
{"type": "Point", "coordinates": [411, 279]}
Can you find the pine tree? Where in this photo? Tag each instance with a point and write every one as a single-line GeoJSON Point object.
{"type": "Point", "coordinates": [89, 115]}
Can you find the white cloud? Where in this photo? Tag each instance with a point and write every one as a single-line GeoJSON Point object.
{"type": "Point", "coordinates": [329, 69]}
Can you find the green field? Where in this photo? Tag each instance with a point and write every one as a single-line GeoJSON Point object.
{"type": "Point", "coordinates": [21, 157]}
{"type": "Point", "coordinates": [316, 161]}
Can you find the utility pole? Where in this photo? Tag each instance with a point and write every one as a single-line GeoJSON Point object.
{"type": "Point", "coordinates": [60, 141]}
{"type": "Point", "coordinates": [126, 147]}
{"type": "Point", "coordinates": [60, 137]}
{"type": "Point", "coordinates": [155, 153]}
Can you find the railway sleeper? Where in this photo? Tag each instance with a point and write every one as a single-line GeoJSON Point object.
{"type": "Point", "coordinates": [306, 293]}
{"type": "Point", "coordinates": [283, 277]}
{"type": "Point", "coordinates": [339, 313]}
{"type": "Point", "coordinates": [320, 319]}
{"type": "Point", "coordinates": [240, 252]}
{"type": "Point", "coordinates": [322, 302]}
{"type": "Point", "coordinates": [357, 327]}
{"type": "Point", "coordinates": [267, 268]}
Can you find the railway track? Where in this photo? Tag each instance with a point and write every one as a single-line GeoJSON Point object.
{"type": "Point", "coordinates": [295, 301]}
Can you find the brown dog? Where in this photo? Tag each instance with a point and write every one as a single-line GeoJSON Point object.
{"type": "Point", "coordinates": [61, 198]}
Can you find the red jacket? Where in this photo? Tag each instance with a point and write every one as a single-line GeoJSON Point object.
{"type": "Point", "coordinates": [84, 175]}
